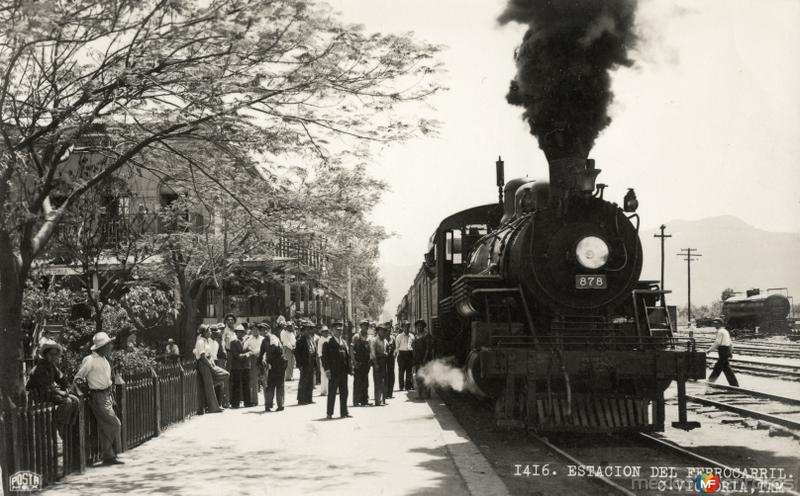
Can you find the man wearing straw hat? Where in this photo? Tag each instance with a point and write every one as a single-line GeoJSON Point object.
{"type": "Point", "coordinates": [95, 374]}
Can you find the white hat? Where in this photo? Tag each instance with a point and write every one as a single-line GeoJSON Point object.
{"type": "Point", "coordinates": [99, 340]}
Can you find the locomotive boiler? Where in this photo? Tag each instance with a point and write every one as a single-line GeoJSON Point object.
{"type": "Point", "coordinates": [540, 300]}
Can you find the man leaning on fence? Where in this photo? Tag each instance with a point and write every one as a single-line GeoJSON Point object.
{"type": "Point", "coordinates": [95, 375]}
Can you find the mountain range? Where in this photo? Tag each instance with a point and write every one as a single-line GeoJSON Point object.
{"type": "Point", "coordinates": [734, 255]}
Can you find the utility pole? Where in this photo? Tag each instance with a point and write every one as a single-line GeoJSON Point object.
{"type": "Point", "coordinates": [689, 256]}
{"type": "Point", "coordinates": [662, 236]}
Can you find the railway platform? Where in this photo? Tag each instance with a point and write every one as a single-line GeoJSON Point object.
{"type": "Point", "coordinates": [409, 447]}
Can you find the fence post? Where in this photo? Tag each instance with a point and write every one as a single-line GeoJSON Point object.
{"type": "Point", "coordinates": [183, 390]}
{"type": "Point", "coordinates": [156, 403]}
{"type": "Point", "coordinates": [15, 458]}
{"type": "Point", "coordinates": [80, 436]}
{"type": "Point", "coordinates": [121, 386]}
{"type": "Point", "coordinates": [5, 467]}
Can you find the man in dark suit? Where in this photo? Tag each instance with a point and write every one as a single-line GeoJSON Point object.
{"type": "Point", "coordinates": [361, 360]}
{"type": "Point", "coordinates": [306, 359]}
{"type": "Point", "coordinates": [240, 369]}
{"type": "Point", "coordinates": [336, 365]}
{"type": "Point", "coordinates": [275, 363]}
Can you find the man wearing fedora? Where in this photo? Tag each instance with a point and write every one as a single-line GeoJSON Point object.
{"type": "Point", "coordinates": [379, 347]}
{"type": "Point", "coordinates": [404, 346]}
{"type": "Point", "coordinates": [423, 353]}
{"type": "Point", "coordinates": [240, 369]}
{"type": "Point", "coordinates": [271, 354]}
{"type": "Point", "coordinates": [361, 358]}
{"type": "Point", "coordinates": [306, 357]}
{"type": "Point", "coordinates": [49, 383]}
{"type": "Point", "coordinates": [336, 365]}
{"type": "Point", "coordinates": [289, 342]}
{"type": "Point", "coordinates": [95, 374]}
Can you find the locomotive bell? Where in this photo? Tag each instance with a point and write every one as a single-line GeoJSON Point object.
{"type": "Point", "coordinates": [630, 203]}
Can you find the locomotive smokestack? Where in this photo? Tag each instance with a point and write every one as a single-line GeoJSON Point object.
{"type": "Point", "coordinates": [563, 68]}
{"type": "Point", "coordinates": [572, 174]}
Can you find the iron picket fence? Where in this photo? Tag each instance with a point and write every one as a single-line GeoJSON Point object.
{"type": "Point", "coordinates": [146, 402]}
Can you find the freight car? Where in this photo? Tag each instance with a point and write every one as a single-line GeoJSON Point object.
{"type": "Point", "coordinates": [767, 312]}
{"type": "Point", "coordinates": [539, 299]}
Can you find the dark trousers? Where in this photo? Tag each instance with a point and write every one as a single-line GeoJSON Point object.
{"type": "Point", "coordinates": [379, 380]}
{"type": "Point", "coordinates": [108, 424]}
{"type": "Point", "coordinates": [207, 399]}
{"type": "Point", "coordinates": [389, 375]}
{"type": "Point", "coordinates": [240, 386]}
{"type": "Point", "coordinates": [275, 381]}
{"type": "Point", "coordinates": [337, 383]}
{"type": "Point", "coordinates": [723, 365]}
{"type": "Point", "coordinates": [361, 384]}
{"type": "Point", "coordinates": [305, 388]}
{"type": "Point", "coordinates": [222, 391]}
{"type": "Point", "coordinates": [405, 363]}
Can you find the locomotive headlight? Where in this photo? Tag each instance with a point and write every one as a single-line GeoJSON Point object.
{"type": "Point", "coordinates": [592, 252]}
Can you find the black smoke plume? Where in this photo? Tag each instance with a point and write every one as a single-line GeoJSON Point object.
{"type": "Point", "coordinates": [563, 66]}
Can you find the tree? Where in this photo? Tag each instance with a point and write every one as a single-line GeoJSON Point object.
{"type": "Point", "coordinates": [105, 244]}
{"type": "Point", "coordinates": [117, 80]}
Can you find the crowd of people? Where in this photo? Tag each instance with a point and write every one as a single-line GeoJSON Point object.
{"type": "Point", "coordinates": [237, 360]}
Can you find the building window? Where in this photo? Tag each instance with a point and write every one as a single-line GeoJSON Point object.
{"type": "Point", "coordinates": [212, 299]}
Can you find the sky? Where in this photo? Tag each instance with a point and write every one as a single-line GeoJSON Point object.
{"type": "Point", "coordinates": [705, 123]}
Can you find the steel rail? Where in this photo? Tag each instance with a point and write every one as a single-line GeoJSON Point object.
{"type": "Point", "coordinates": [765, 368]}
{"type": "Point", "coordinates": [752, 392]}
{"type": "Point", "coordinates": [661, 442]}
{"type": "Point", "coordinates": [600, 479]}
{"type": "Point", "coordinates": [746, 412]}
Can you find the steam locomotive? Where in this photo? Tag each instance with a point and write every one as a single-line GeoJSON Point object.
{"type": "Point", "coordinates": [539, 299]}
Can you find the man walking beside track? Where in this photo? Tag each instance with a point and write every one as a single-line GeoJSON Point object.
{"type": "Point", "coordinates": [336, 365]}
{"type": "Point", "coordinates": [95, 374]}
{"type": "Point", "coordinates": [724, 347]}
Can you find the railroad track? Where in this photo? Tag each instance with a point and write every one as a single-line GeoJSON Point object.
{"type": "Point", "coordinates": [781, 370]}
{"type": "Point", "coordinates": [529, 462]}
{"type": "Point", "coordinates": [772, 408]}
{"type": "Point", "coordinates": [780, 350]}
{"type": "Point", "coordinates": [618, 479]}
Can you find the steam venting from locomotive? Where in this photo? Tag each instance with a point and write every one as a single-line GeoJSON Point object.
{"type": "Point", "coordinates": [442, 373]}
{"type": "Point", "coordinates": [563, 65]}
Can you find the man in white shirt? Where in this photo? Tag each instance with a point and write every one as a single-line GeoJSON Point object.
{"type": "Point", "coordinates": [229, 332]}
{"type": "Point", "coordinates": [252, 343]}
{"type": "Point", "coordinates": [288, 342]}
{"type": "Point", "coordinates": [95, 373]}
{"type": "Point", "coordinates": [724, 346]}
{"type": "Point", "coordinates": [405, 361]}
{"type": "Point", "coordinates": [324, 335]}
